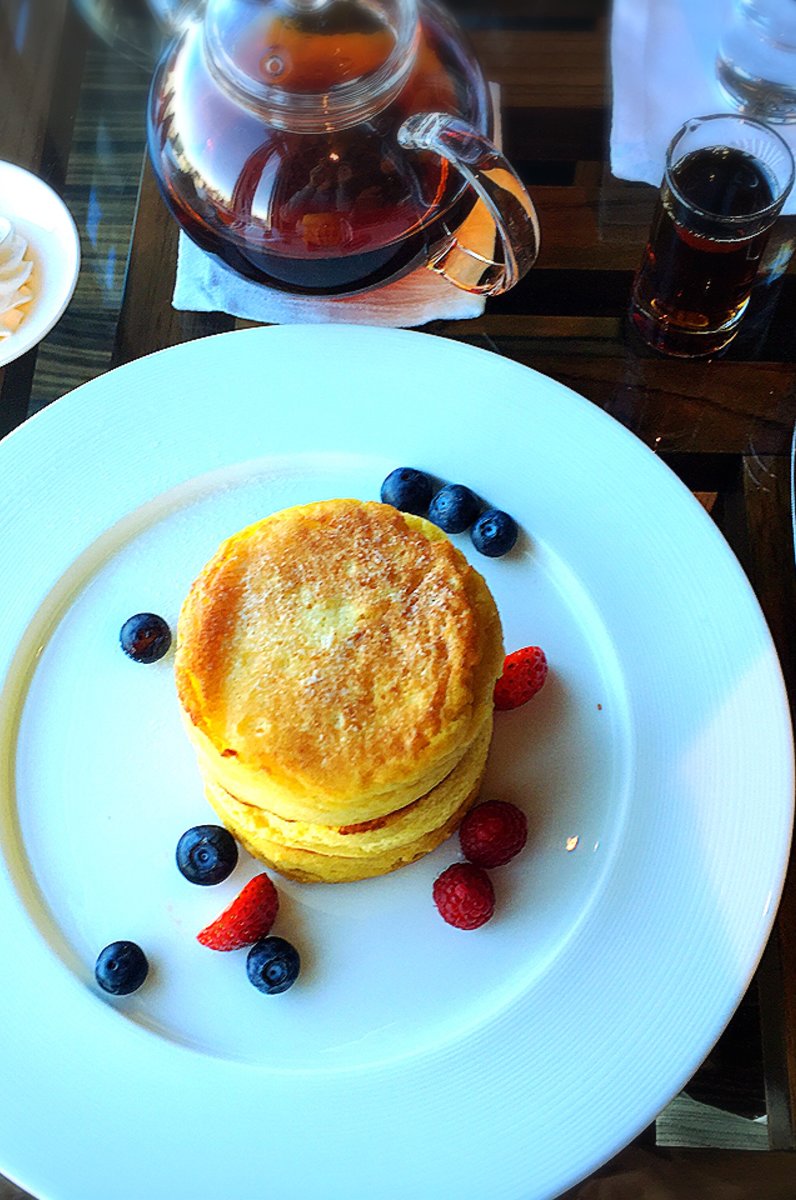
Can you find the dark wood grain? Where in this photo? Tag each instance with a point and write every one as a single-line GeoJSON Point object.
{"type": "Point", "coordinates": [770, 552]}
{"type": "Point", "coordinates": [41, 56]}
{"type": "Point", "coordinates": [527, 65]}
{"type": "Point", "coordinates": [31, 38]}
{"type": "Point", "coordinates": [511, 15]}
{"type": "Point", "coordinates": [715, 1173]}
{"type": "Point", "coordinates": [147, 321]}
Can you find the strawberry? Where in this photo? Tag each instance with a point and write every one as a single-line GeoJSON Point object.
{"type": "Point", "coordinates": [247, 919]}
{"type": "Point", "coordinates": [524, 672]}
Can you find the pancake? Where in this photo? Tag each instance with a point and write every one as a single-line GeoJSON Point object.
{"type": "Point", "coordinates": [310, 866]}
{"type": "Point", "coordinates": [367, 839]}
{"type": "Point", "coordinates": [335, 661]}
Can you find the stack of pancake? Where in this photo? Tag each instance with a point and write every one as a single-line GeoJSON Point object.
{"type": "Point", "coordinates": [336, 664]}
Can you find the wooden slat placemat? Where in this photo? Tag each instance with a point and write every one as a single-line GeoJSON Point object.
{"type": "Point", "coordinates": [41, 49]}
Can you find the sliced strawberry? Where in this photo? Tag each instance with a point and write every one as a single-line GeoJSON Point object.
{"type": "Point", "coordinates": [247, 919]}
{"type": "Point", "coordinates": [524, 672]}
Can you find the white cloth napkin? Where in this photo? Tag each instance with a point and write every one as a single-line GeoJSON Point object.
{"type": "Point", "coordinates": [663, 56]}
{"type": "Point", "coordinates": [204, 285]}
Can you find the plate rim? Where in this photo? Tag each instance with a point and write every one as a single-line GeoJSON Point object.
{"type": "Point", "coordinates": [43, 419]}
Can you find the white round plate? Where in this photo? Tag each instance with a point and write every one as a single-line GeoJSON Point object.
{"type": "Point", "coordinates": [410, 1058]}
{"type": "Point", "coordinates": [43, 219]}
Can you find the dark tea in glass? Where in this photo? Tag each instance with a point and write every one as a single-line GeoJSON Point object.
{"type": "Point", "coordinates": [725, 182]}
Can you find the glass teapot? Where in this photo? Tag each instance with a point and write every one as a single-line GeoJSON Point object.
{"type": "Point", "coordinates": [325, 147]}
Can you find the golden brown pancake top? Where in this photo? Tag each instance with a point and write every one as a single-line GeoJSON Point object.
{"type": "Point", "coordinates": [341, 646]}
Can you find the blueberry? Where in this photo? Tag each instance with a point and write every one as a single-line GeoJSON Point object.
{"type": "Point", "coordinates": [121, 968]}
{"type": "Point", "coordinates": [273, 965]}
{"type": "Point", "coordinates": [206, 854]}
{"type": "Point", "coordinates": [494, 533]}
{"type": "Point", "coordinates": [454, 508]}
{"type": "Point", "coordinates": [407, 489]}
{"type": "Point", "coordinates": [145, 637]}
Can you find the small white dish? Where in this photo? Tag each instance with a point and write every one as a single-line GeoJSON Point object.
{"type": "Point", "coordinates": [41, 217]}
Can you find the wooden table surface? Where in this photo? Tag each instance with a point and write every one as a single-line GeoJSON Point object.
{"type": "Point", "coordinates": [72, 111]}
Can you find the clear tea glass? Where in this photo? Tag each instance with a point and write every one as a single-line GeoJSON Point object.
{"type": "Point", "coordinates": [726, 178]}
{"type": "Point", "coordinates": [756, 64]}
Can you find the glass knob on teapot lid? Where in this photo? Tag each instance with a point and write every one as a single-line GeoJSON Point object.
{"type": "Point", "coordinates": [311, 65]}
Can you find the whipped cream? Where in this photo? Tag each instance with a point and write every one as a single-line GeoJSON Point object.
{"type": "Point", "coordinates": [15, 272]}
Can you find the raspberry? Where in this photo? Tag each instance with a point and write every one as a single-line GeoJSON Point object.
{"type": "Point", "coordinates": [492, 833]}
{"type": "Point", "coordinates": [524, 672]}
{"type": "Point", "coordinates": [464, 896]}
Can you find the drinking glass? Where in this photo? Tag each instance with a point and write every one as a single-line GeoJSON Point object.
{"type": "Point", "coordinates": [725, 180]}
{"type": "Point", "coordinates": [756, 64]}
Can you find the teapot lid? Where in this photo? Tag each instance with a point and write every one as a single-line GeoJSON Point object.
{"type": "Point", "coordinates": [312, 65]}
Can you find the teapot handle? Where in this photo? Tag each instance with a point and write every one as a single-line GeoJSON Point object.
{"type": "Point", "coordinates": [499, 241]}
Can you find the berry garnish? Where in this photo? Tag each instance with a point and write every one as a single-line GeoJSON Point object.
{"type": "Point", "coordinates": [524, 673]}
{"type": "Point", "coordinates": [494, 533]}
{"type": "Point", "coordinates": [464, 896]}
{"type": "Point", "coordinates": [407, 489]}
{"type": "Point", "coordinates": [492, 833]}
{"type": "Point", "coordinates": [207, 854]}
{"type": "Point", "coordinates": [454, 508]}
{"type": "Point", "coordinates": [273, 965]}
{"type": "Point", "coordinates": [247, 919]}
{"type": "Point", "coordinates": [145, 637]}
{"type": "Point", "coordinates": [121, 968]}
